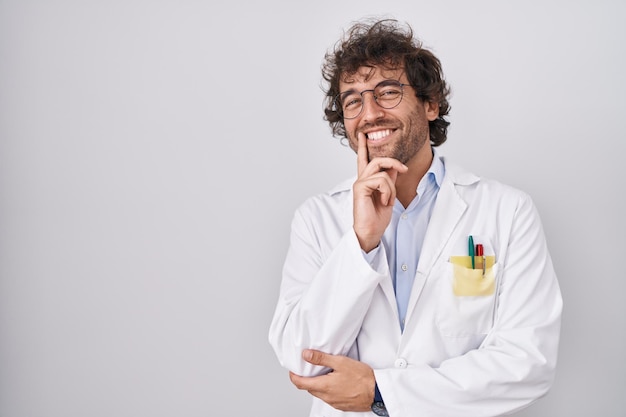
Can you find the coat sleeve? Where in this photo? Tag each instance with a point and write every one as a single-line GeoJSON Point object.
{"type": "Point", "coordinates": [323, 296]}
{"type": "Point", "coordinates": [515, 364]}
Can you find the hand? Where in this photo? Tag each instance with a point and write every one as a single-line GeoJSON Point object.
{"type": "Point", "coordinates": [374, 194]}
{"type": "Point", "coordinates": [348, 387]}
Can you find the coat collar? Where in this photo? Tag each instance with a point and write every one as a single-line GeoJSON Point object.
{"type": "Point", "coordinates": [456, 174]}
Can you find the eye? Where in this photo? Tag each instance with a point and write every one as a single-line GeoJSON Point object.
{"type": "Point", "coordinates": [352, 101]}
{"type": "Point", "coordinates": [388, 93]}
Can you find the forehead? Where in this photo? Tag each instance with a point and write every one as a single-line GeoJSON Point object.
{"type": "Point", "coordinates": [369, 76]}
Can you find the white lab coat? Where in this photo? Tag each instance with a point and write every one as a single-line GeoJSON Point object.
{"type": "Point", "coordinates": [463, 356]}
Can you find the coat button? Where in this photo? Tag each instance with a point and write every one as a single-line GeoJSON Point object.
{"type": "Point", "coordinates": [400, 363]}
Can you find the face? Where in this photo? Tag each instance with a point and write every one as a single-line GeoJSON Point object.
{"type": "Point", "coordinates": [401, 132]}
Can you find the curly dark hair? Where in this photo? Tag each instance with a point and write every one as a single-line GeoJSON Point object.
{"type": "Point", "coordinates": [388, 44]}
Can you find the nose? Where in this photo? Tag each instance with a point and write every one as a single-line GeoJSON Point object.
{"type": "Point", "coordinates": [371, 110]}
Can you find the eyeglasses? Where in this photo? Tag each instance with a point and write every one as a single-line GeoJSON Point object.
{"type": "Point", "coordinates": [387, 94]}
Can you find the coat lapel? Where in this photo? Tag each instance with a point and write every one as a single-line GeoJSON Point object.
{"type": "Point", "coordinates": [447, 213]}
{"type": "Point", "coordinates": [449, 209]}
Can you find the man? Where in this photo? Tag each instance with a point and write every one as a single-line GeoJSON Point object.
{"type": "Point", "coordinates": [416, 289]}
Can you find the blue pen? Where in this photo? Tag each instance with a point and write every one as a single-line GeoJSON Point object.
{"type": "Point", "coordinates": [470, 249]}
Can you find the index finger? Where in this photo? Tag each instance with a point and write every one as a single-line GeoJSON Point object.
{"type": "Point", "coordinates": [362, 154]}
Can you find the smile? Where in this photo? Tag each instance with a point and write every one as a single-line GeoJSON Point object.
{"type": "Point", "coordinates": [379, 134]}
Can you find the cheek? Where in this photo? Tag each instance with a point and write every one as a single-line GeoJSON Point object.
{"type": "Point", "coordinates": [351, 135]}
{"type": "Point", "coordinates": [352, 143]}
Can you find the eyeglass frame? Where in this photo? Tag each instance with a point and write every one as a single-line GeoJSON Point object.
{"type": "Point", "coordinates": [339, 108]}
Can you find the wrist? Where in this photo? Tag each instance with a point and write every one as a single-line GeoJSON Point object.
{"type": "Point", "coordinates": [367, 244]}
{"type": "Point", "coordinates": [378, 406]}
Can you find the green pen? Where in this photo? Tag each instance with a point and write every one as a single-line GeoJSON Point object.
{"type": "Point", "coordinates": [470, 249]}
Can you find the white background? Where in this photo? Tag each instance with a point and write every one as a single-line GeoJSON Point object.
{"type": "Point", "coordinates": [152, 154]}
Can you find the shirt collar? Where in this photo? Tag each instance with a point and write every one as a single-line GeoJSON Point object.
{"type": "Point", "coordinates": [434, 175]}
{"type": "Point", "coordinates": [437, 168]}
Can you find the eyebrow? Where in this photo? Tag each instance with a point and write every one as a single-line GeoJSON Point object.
{"type": "Point", "coordinates": [380, 84]}
{"type": "Point", "coordinates": [350, 91]}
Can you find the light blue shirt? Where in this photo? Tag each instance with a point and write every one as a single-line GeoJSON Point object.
{"type": "Point", "coordinates": [404, 237]}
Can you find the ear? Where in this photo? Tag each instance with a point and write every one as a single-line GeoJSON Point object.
{"type": "Point", "coordinates": [431, 109]}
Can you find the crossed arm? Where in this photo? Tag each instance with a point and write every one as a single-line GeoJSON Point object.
{"type": "Point", "coordinates": [350, 384]}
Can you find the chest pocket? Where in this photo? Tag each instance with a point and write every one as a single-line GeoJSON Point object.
{"type": "Point", "coordinates": [466, 299]}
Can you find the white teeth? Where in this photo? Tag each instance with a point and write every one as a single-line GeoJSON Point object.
{"type": "Point", "coordinates": [379, 134]}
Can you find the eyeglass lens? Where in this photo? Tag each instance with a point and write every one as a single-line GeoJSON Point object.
{"type": "Point", "coordinates": [388, 94]}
